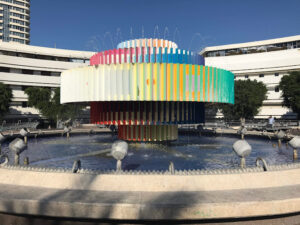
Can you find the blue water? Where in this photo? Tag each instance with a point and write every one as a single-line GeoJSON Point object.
{"type": "Point", "coordinates": [188, 152]}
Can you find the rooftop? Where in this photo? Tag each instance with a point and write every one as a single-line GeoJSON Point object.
{"type": "Point", "coordinates": [16, 47]}
{"type": "Point", "coordinates": [251, 44]}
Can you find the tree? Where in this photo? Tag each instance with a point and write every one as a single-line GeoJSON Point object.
{"type": "Point", "coordinates": [248, 98]}
{"type": "Point", "coordinates": [5, 98]}
{"type": "Point", "coordinates": [290, 86]}
{"type": "Point", "coordinates": [48, 103]}
{"type": "Point", "coordinates": [211, 110]}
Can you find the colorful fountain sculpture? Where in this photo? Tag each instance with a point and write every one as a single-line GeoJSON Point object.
{"type": "Point", "coordinates": [147, 87]}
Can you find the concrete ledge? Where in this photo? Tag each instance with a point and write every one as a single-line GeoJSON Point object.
{"type": "Point", "coordinates": [131, 197]}
{"type": "Point", "coordinates": [149, 205]}
{"type": "Point", "coordinates": [54, 132]}
{"type": "Point", "coordinates": [96, 130]}
{"type": "Point", "coordinates": [151, 182]}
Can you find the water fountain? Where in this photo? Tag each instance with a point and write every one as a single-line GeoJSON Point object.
{"type": "Point", "coordinates": [280, 135]}
{"type": "Point", "coordinates": [24, 133]}
{"type": "Point", "coordinates": [17, 146]}
{"type": "Point", "coordinates": [295, 143]}
{"type": "Point", "coordinates": [242, 149]}
{"type": "Point", "coordinates": [119, 150]}
{"type": "Point", "coordinates": [147, 87]}
{"type": "Point", "coordinates": [163, 174]}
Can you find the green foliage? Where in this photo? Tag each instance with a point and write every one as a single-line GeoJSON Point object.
{"type": "Point", "coordinates": [290, 86]}
{"type": "Point", "coordinates": [5, 98]}
{"type": "Point", "coordinates": [211, 110]}
{"type": "Point", "coordinates": [48, 103]}
{"type": "Point", "coordinates": [248, 98]}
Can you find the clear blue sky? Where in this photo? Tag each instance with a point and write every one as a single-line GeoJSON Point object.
{"type": "Point", "coordinates": [193, 24]}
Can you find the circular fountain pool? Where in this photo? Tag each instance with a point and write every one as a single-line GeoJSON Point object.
{"type": "Point", "coordinates": [188, 152]}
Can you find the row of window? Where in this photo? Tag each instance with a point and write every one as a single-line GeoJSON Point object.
{"type": "Point", "coordinates": [255, 49]}
{"type": "Point", "coordinates": [19, 22]}
{"type": "Point", "coordinates": [16, 9]}
{"type": "Point", "coordinates": [18, 28]}
{"type": "Point", "coordinates": [45, 57]}
{"type": "Point", "coordinates": [19, 34]}
{"type": "Point", "coordinates": [18, 104]}
{"type": "Point", "coordinates": [14, 40]}
{"type": "Point", "coordinates": [260, 75]}
{"type": "Point", "coordinates": [15, 27]}
{"type": "Point", "coordinates": [16, 2]}
{"type": "Point", "coordinates": [30, 72]}
{"type": "Point", "coordinates": [276, 89]}
{"type": "Point", "coordinates": [21, 16]}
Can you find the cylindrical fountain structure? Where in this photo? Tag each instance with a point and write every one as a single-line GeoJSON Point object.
{"type": "Point", "coordinates": [147, 87]}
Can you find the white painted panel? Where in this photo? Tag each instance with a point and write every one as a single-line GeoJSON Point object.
{"type": "Point", "coordinates": [36, 64]}
{"type": "Point", "coordinates": [257, 62]}
{"type": "Point", "coordinates": [29, 80]}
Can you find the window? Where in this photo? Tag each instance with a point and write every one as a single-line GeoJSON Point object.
{"type": "Point", "coordinates": [4, 69]}
{"type": "Point", "coordinates": [56, 74]}
{"type": "Point", "coordinates": [17, 34]}
{"type": "Point", "coordinates": [46, 73]}
{"type": "Point", "coordinates": [17, 40]}
{"type": "Point", "coordinates": [276, 89]}
{"type": "Point", "coordinates": [24, 104]}
{"type": "Point", "coordinates": [27, 71]}
{"type": "Point", "coordinates": [261, 75]}
{"type": "Point", "coordinates": [276, 74]}
{"type": "Point", "coordinates": [246, 76]}
{"type": "Point", "coordinates": [17, 21]}
{"type": "Point", "coordinates": [24, 88]}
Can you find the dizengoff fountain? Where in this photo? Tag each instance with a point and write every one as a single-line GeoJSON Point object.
{"type": "Point", "coordinates": [147, 87]}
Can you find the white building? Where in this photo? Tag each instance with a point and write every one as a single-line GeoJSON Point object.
{"type": "Point", "coordinates": [23, 66]}
{"type": "Point", "coordinates": [267, 61]}
{"type": "Point", "coordinates": [15, 21]}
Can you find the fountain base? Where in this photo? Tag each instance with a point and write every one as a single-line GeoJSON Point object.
{"type": "Point", "coordinates": [148, 133]}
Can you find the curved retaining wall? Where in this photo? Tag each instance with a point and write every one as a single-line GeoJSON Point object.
{"type": "Point", "coordinates": [217, 180]}
{"type": "Point", "coordinates": [150, 196]}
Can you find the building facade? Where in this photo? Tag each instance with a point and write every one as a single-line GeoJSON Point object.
{"type": "Point", "coordinates": [15, 21]}
{"type": "Point", "coordinates": [23, 66]}
{"type": "Point", "coordinates": [266, 61]}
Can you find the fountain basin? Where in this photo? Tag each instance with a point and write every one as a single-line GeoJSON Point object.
{"type": "Point", "coordinates": [151, 196]}
{"type": "Point", "coordinates": [48, 188]}
{"type": "Point", "coordinates": [189, 152]}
